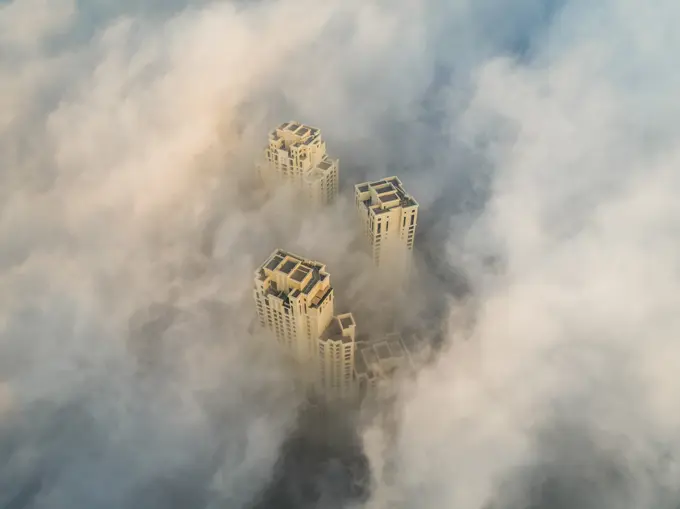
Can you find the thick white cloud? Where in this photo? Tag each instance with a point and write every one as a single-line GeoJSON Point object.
{"type": "Point", "coordinates": [576, 336]}
{"type": "Point", "coordinates": [540, 135]}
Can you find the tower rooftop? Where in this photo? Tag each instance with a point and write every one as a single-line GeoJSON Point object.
{"type": "Point", "coordinates": [383, 195]}
{"type": "Point", "coordinates": [290, 135]}
{"type": "Point", "coordinates": [297, 152]}
{"type": "Point", "coordinates": [289, 275]}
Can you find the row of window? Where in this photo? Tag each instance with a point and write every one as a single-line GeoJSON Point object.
{"type": "Point", "coordinates": [413, 219]}
{"type": "Point", "coordinates": [347, 356]}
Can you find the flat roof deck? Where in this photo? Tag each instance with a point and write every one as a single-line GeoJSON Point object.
{"type": "Point", "coordinates": [274, 262]}
{"type": "Point", "coordinates": [299, 274]}
{"type": "Point", "coordinates": [288, 266]}
{"type": "Point", "coordinates": [346, 322]}
{"type": "Point", "coordinates": [389, 197]}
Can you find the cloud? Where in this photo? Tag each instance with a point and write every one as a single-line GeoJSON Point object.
{"type": "Point", "coordinates": [28, 23]}
{"type": "Point", "coordinates": [560, 397]}
{"type": "Point", "coordinates": [539, 138]}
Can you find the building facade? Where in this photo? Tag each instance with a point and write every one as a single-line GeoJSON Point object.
{"type": "Point", "coordinates": [337, 348]}
{"type": "Point", "coordinates": [388, 217]}
{"type": "Point", "coordinates": [295, 301]}
{"type": "Point", "coordinates": [296, 156]}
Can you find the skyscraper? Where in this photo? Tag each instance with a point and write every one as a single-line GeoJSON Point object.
{"type": "Point", "coordinates": [337, 347]}
{"type": "Point", "coordinates": [295, 301]}
{"type": "Point", "coordinates": [389, 216]}
{"type": "Point", "coordinates": [296, 156]}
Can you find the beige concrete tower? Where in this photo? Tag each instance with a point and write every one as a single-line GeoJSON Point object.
{"type": "Point", "coordinates": [296, 156]}
{"type": "Point", "coordinates": [388, 217]}
{"type": "Point", "coordinates": [295, 301]}
{"type": "Point", "coordinates": [336, 356]}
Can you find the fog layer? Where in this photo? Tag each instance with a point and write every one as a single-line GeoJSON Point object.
{"type": "Point", "coordinates": [541, 139]}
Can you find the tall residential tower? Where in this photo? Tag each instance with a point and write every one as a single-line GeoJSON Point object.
{"type": "Point", "coordinates": [295, 301]}
{"type": "Point", "coordinates": [389, 216]}
{"type": "Point", "coordinates": [296, 155]}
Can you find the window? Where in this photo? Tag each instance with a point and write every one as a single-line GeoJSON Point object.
{"type": "Point", "coordinates": [379, 225]}
{"type": "Point", "coordinates": [413, 218]}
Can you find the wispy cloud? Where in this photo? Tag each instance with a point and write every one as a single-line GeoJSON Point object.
{"type": "Point", "coordinates": [540, 138]}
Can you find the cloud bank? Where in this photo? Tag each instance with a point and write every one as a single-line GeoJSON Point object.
{"type": "Point", "coordinates": [541, 140]}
